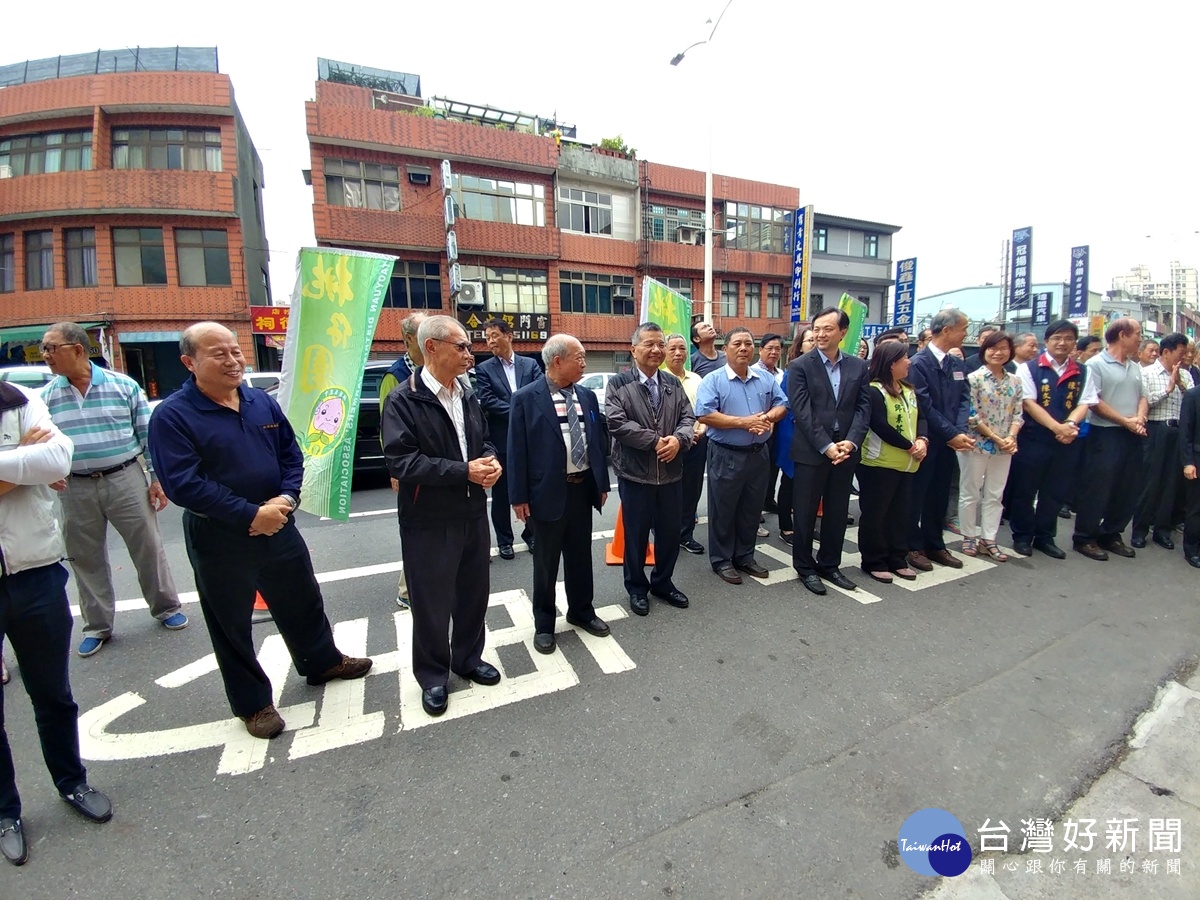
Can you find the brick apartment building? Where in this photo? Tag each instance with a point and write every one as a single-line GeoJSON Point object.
{"type": "Point", "coordinates": [130, 202]}
{"type": "Point", "coordinates": [554, 228]}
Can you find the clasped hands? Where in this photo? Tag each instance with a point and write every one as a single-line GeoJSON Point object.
{"type": "Point", "coordinates": [757, 424]}
{"type": "Point", "coordinates": [485, 470]}
{"type": "Point", "coordinates": [840, 451]}
{"type": "Point", "coordinates": [271, 517]}
{"type": "Point", "coordinates": [667, 448]}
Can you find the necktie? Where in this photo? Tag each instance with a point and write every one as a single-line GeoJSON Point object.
{"type": "Point", "coordinates": [575, 427]}
{"type": "Point", "coordinates": [652, 384]}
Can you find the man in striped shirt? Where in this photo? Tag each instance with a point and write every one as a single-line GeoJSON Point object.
{"type": "Point", "coordinates": [106, 415]}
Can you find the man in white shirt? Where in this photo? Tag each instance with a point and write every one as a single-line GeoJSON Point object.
{"type": "Point", "coordinates": [1163, 383]}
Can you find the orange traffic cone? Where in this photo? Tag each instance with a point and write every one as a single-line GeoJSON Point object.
{"type": "Point", "coordinates": [260, 613]}
{"type": "Point", "coordinates": [614, 553]}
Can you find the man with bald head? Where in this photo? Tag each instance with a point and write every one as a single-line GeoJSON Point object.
{"type": "Point", "coordinates": [226, 453]}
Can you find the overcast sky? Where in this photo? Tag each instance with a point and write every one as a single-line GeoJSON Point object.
{"type": "Point", "coordinates": [957, 121]}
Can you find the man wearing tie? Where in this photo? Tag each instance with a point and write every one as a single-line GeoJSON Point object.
{"type": "Point", "coordinates": [651, 422]}
{"type": "Point", "coordinates": [557, 452]}
{"type": "Point", "coordinates": [496, 380]}
{"type": "Point", "coordinates": [827, 394]}
{"type": "Point", "coordinates": [940, 380]}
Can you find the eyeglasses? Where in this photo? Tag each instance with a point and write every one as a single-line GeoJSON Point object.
{"type": "Point", "coordinates": [460, 346]}
{"type": "Point", "coordinates": [47, 349]}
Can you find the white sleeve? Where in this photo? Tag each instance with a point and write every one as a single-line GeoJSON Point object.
{"type": "Point", "coordinates": [1028, 391]}
{"type": "Point", "coordinates": [42, 463]}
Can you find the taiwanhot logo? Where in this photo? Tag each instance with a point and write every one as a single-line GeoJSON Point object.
{"type": "Point", "coordinates": [933, 842]}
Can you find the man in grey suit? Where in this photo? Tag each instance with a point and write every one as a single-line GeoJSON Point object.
{"type": "Point", "coordinates": [828, 398]}
{"type": "Point", "coordinates": [496, 380]}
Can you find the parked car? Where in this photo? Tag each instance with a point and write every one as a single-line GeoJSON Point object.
{"type": "Point", "coordinates": [368, 446]}
{"type": "Point", "coordinates": [264, 380]}
{"type": "Point", "coordinates": [27, 376]}
{"type": "Point", "coordinates": [598, 382]}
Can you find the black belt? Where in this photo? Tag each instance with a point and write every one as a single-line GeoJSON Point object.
{"type": "Point", "coordinates": [103, 472]}
{"type": "Point", "coordinates": [1170, 423]}
{"type": "Point", "coordinates": [741, 448]}
{"type": "Point", "coordinates": [576, 477]}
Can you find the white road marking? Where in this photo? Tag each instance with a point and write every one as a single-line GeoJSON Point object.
{"type": "Point", "coordinates": [189, 673]}
{"type": "Point", "coordinates": [789, 574]}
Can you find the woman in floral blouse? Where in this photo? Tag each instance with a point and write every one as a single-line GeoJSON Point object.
{"type": "Point", "coordinates": [994, 422]}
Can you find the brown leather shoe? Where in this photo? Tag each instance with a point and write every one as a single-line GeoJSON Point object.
{"type": "Point", "coordinates": [1092, 551]}
{"type": "Point", "coordinates": [349, 668]}
{"type": "Point", "coordinates": [920, 561]}
{"type": "Point", "coordinates": [1119, 548]}
{"type": "Point", "coordinates": [729, 575]}
{"type": "Point", "coordinates": [265, 724]}
{"type": "Point", "coordinates": [946, 558]}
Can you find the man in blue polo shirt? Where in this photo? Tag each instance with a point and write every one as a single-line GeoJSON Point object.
{"type": "Point", "coordinates": [740, 406]}
{"type": "Point", "coordinates": [227, 454]}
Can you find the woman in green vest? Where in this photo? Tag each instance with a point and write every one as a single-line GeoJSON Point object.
{"type": "Point", "coordinates": [893, 450]}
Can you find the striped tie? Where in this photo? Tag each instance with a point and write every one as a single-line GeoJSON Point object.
{"type": "Point", "coordinates": [655, 400]}
{"type": "Point", "coordinates": [576, 428]}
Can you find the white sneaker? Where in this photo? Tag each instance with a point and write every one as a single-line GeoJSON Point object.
{"type": "Point", "coordinates": [762, 532]}
{"type": "Point", "coordinates": [402, 602]}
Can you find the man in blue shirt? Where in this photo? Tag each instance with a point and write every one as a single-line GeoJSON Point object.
{"type": "Point", "coordinates": [227, 454]}
{"type": "Point", "coordinates": [740, 406]}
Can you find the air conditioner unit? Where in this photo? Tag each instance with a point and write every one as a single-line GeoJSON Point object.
{"type": "Point", "coordinates": [688, 235]}
{"type": "Point", "coordinates": [471, 294]}
{"type": "Point", "coordinates": [622, 291]}
{"type": "Point", "coordinates": [6, 172]}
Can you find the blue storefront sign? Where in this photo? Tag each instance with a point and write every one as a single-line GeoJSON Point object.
{"type": "Point", "coordinates": [906, 287]}
{"type": "Point", "coordinates": [799, 298]}
{"type": "Point", "coordinates": [1041, 308]}
{"type": "Point", "coordinates": [1077, 301]}
{"type": "Point", "coordinates": [1021, 270]}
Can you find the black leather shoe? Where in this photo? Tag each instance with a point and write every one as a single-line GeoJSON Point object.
{"type": "Point", "coordinates": [506, 551]}
{"type": "Point", "coordinates": [12, 842]}
{"type": "Point", "coordinates": [693, 546]}
{"type": "Point", "coordinates": [1065, 512]}
{"type": "Point", "coordinates": [1118, 548]}
{"type": "Point", "coordinates": [484, 673]}
{"type": "Point", "coordinates": [752, 568]}
{"type": "Point", "coordinates": [787, 537]}
{"type": "Point", "coordinates": [433, 700]}
{"type": "Point", "coordinates": [813, 583]}
{"type": "Point", "coordinates": [1193, 561]}
{"type": "Point", "coordinates": [89, 803]}
{"type": "Point", "coordinates": [594, 626]}
{"type": "Point", "coordinates": [677, 599]}
{"type": "Point", "coordinates": [728, 574]}
{"type": "Point", "coordinates": [543, 642]}
{"type": "Point", "coordinates": [1137, 542]}
{"type": "Point", "coordinates": [1163, 541]}
{"type": "Point", "coordinates": [1051, 549]}
{"type": "Point", "coordinates": [836, 577]}
{"type": "Point", "coordinates": [1023, 548]}
{"type": "Point", "coordinates": [639, 604]}
{"type": "Point", "coordinates": [1092, 551]}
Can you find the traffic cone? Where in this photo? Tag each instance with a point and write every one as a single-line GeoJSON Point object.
{"type": "Point", "coordinates": [614, 553]}
{"type": "Point", "coordinates": [260, 613]}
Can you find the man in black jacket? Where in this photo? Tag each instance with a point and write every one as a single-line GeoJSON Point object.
{"type": "Point", "coordinates": [651, 422]}
{"type": "Point", "coordinates": [827, 396]}
{"type": "Point", "coordinates": [940, 380]}
{"type": "Point", "coordinates": [1189, 456]}
{"type": "Point", "coordinates": [435, 441]}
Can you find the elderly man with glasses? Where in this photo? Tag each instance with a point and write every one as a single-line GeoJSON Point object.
{"type": "Point", "coordinates": [435, 441]}
{"type": "Point", "coordinates": [107, 417]}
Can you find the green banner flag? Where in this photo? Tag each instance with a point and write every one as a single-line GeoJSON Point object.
{"type": "Point", "coordinates": [335, 307]}
{"type": "Point", "coordinates": [857, 311]}
{"type": "Point", "coordinates": [670, 311]}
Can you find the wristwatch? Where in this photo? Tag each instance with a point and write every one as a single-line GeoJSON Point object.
{"type": "Point", "coordinates": [292, 500]}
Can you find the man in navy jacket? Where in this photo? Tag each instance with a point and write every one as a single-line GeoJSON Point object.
{"type": "Point", "coordinates": [496, 380]}
{"type": "Point", "coordinates": [558, 472]}
{"type": "Point", "coordinates": [940, 380]}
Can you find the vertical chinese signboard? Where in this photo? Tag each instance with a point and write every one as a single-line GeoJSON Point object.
{"type": "Point", "coordinates": [801, 261]}
{"type": "Point", "coordinates": [1077, 301]}
{"type": "Point", "coordinates": [1019, 280]}
{"type": "Point", "coordinates": [332, 319]}
{"type": "Point", "coordinates": [906, 286]}
{"type": "Point", "coordinates": [1041, 308]}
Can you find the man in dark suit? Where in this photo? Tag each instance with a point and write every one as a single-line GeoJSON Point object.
{"type": "Point", "coordinates": [1189, 457]}
{"type": "Point", "coordinates": [940, 380]}
{"type": "Point", "coordinates": [828, 398]}
{"type": "Point", "coordinates": [557, 452]}
{"type": "Point", "coordinates": [496, 380]}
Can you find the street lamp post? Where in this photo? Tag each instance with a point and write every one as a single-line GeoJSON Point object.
{"type": "Point", "coordinates": [708, 182]}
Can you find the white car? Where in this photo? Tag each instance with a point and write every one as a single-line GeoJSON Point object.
{"type": "Point", "coordinates": [264, 380]}
{"type": "Point", "coordinates": [598, 382]}
{"type": "Point", "coordinates": [27, 376]}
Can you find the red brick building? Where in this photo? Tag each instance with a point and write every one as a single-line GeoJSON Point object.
{"type": "Point", "coordinates": [543, 227]}
{"type": "Point", "coordinates": [130, 202]}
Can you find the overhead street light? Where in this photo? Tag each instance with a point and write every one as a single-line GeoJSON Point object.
{"type": "Point", "coordinates": [708, 176]}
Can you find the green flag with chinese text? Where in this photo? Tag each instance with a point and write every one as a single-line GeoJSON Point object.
{"type": "Point", "coordinates": [335, 307]}
{"type": "Point", "coordinates": [670, 311]}
{"type": "Point", "coordinates": [857, 311]}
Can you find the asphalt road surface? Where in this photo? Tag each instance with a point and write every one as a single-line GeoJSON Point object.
{"type": "Point", "coordinates": [763, 743]}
